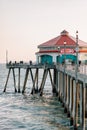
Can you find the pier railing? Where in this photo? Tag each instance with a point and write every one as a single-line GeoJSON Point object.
{"type": "Point", "coordinates": [28, 65]}
{"type": "Point", "coordinates": [81, 68]}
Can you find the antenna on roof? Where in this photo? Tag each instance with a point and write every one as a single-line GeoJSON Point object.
{"type": "Point", "coordinates": [6, 56]}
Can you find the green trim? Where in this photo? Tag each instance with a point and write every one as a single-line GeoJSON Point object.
{"type": "Point", "coordinates": [63, 57]}
{"type": "Point", "coordinates": [46, 59]}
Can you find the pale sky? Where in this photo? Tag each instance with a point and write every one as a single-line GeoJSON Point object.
{"type": "Point", "coordinates": [24, 24]}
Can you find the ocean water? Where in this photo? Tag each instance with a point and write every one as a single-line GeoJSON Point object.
{"type": "Point", "coordinates": [29, 112]}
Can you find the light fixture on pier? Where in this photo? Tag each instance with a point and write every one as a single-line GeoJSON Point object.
{"type": "Point", "coordinates": [64, 52]}
{"type": "Point", "coordinates": [58, 53]}
{"type": "Point", "coordinates": [77, 51]}
{"type": "Point", "coordinates": [77, 46]}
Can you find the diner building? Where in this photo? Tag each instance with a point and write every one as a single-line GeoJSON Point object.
{"type": "Point", "coordinates": [61, 48]}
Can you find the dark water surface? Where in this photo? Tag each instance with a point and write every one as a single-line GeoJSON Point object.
{"type": "Point", "coordinates": [30, 112]}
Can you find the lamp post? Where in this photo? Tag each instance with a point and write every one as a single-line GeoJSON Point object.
{"type": "Point", "coordinates": [64, 55]}
{"type": "Point", "coordinates": [77, 50]}
{"type": "Point", "coordinates": [58, 71]}
{"type": "Point", "coordinates": [58, 56]}
{"type": "Point", "coordinates": [64, 82]}
{"type": "Point", "coordinates": [75, 114]}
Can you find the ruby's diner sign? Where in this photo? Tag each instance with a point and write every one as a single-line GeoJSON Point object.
{"type": "Point", "coordinates": [67, 51]}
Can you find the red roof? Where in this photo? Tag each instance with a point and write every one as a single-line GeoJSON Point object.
{"type": "Point", "coordinates": [59, 41]}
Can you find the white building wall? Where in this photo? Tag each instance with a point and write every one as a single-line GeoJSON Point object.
{"type": "Point", "coordinates": [54, 57]}
{"type": "Point", "coordinates": [37, 59]}
{"type": "Point", "coordinates": [83, 56]}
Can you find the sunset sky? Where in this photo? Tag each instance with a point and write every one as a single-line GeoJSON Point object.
{"type": "Point", "coordinates": [24, 24]}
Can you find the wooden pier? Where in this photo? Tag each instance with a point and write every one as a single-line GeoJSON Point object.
{"type": "Point", "coordinates": [69, 86]}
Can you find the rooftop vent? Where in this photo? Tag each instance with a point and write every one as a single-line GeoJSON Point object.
{"type": "Point", "coordinates": [64, 32]}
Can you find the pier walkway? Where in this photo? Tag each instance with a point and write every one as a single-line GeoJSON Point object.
{"type": "Point", "coordinates": [69, 84]}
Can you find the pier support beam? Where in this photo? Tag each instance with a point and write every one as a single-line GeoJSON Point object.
{"type": "Point", "coordinates": [43, 81]}
{"type": "Point", "coordinates": [86, 101]}
{"type": "Point", "coordinates": [25, 81]}
{"type": "Point", "coordinates": [58, 84]}
{"type": "Point", "coordinates": [53, 85]}
{"type": "Point", "coordinates": [82, 105]}
{"type": "Point", "coordinates": [36, 80]}
{"type": "Point", "coordinates": [64, 88]}
{"type": "Point", "coordinates": [31, 75]}
{"type": "Point", "coordinates": [71, 101]}
{"type": "Point", "coordinates": [18, 80]}
{"type": "Point", "coordinates": [66, 94]}
{"type": "Point", "coordinates": [60, 87]}
{"type": "Point", "coordinates": [55, 79]}
{"type": "Point", "coordinates": [76, 90]}
{"type": "Point", "coordinates": [7, 80]}
{"type": "Point", "coordinates": [14, 79]}
{"type": "Point", "coordinates": [35, 90]}
{"type": "Point", "coordinates": [68, 97]}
